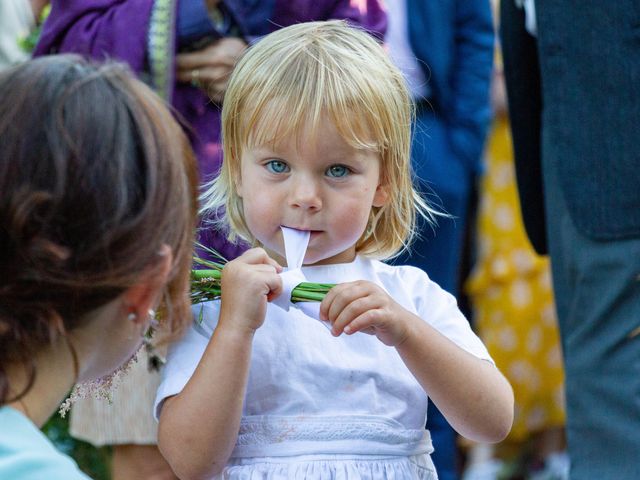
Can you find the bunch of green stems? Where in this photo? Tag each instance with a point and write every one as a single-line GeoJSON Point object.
{"type": "Point", "coordinates": [205, 283]}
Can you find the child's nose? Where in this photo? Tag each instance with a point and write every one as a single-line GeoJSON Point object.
{"type": "Point", "coordinates": [305, 194]}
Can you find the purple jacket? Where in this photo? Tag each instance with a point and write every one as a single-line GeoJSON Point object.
{"type": "Point", "coordinates": [143, 34]}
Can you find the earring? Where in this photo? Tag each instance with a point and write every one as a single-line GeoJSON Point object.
{"type": "Point", "coordinates": [132, 317]}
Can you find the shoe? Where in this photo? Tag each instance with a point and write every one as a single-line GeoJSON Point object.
{"type": "Point", "coordinates": [555, 467]}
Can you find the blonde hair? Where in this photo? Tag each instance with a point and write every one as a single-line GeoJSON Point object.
{"type": "Point", "coordinates": [291, 80]}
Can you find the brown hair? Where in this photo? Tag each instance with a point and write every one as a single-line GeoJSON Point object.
{"type": "Point", "coordinates": [95, 176]}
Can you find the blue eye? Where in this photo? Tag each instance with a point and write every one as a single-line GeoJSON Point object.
{"type": "Point", "coordinates": [337, 171]}
{"type": "Point", "coordinates": [276, 166]}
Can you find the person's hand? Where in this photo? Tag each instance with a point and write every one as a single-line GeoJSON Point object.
{"type": "Point", "coordinates": [363, 306]}
{"type": "Point", "coordinates": [210, 68]}
{"type": "Point", "coordinates": [248, 283]}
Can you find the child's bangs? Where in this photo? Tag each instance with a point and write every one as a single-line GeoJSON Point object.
{"type": "Point", "coordinates": [308, 88]}
{"type": "Point", "coordinates": [278, 122]}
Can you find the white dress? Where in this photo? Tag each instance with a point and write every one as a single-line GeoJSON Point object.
{"type": "Point", "coordinates": [321, 407]}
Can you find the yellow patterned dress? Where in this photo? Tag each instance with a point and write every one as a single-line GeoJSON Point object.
{"type": "Point", "coordinates": [511, 293]}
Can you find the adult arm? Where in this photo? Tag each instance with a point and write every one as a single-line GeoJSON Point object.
{"type": "Point", "coordinates": [469, 111]}
{"type": "Point", "coordinates": [100, 29]}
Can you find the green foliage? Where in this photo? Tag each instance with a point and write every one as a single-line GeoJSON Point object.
{"type": "Point", "coordinates": [91, 460]}
{"type": "Point", "coordinates": [29, 42]}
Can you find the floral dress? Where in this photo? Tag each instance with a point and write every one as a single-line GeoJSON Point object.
{"type": "Point", "coordinates": [511, 293]}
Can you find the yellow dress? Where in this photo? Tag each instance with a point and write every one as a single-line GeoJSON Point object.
{"type": "Point", "coordinates": [511, 294]}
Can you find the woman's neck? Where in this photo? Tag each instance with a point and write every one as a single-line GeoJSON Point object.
{"type": "Point", "coordinates": [56, 372]}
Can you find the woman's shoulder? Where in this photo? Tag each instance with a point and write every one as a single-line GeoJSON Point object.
{"type": "Point", "coordinates": [28, 454]}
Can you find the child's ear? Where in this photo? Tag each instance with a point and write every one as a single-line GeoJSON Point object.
{"type": "Point", "coordinates": [381, 196]}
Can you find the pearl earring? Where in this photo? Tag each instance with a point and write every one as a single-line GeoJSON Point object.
{"type": "Point", "coordinates": [132, 317]}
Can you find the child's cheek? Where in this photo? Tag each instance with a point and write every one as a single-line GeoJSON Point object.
{"type": "Point", "coordinates": [263, 221]}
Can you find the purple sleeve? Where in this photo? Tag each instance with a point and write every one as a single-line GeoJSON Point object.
{"type": "Point", "coordinates": [100, 29]}
{"type": "Point", "coordinates": [368, 14]}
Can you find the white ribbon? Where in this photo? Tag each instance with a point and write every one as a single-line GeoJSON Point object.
{"type": "Point", "coordinates": [295, 247]}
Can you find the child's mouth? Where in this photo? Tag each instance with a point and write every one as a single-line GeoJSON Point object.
{"type": "Point", "coordinates": [311, 231]}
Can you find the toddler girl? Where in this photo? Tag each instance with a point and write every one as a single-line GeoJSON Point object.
{"type": "Point", "coordinates": [316, 129]}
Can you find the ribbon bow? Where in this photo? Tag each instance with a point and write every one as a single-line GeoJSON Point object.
{"type": "Point", "coordinates": [295, 247]}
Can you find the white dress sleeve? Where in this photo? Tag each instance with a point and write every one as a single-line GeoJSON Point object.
{"type": "Point", "coordinates": [437, 307]}
{"type": "Point", "coordinates": [441, 310]}
{"type": "Point", "coordinates": [185, 354]}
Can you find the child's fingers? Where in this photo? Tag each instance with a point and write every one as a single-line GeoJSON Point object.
{"type": "Point", "coordinates": [365, 323]}
{"type": "Point", "coordinates": [342, 295]}
{"type": "Point", "coordinates": [191, 60]}
{"type": "Point", "coordinates": [274, 264]}
{"type": "Point", "coordinates": [253, 271]}
{"type": "Point", "coordinates": [275, 288]}
{"type": "Point", "coordinates": [268, 268]}
{"type": "Point", "coordinates": [335, 300]}
{"type": "Point", "coordinates": [258, 256]}
{"type": "Point", "coordinates": [356, 308]}
{"type": "Point", "coordinates": [265, 271]}
{"type": "Point", "coordinates": [352, 291]}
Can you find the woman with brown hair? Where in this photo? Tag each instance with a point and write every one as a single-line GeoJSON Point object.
{"type": "Point", "coordinates": [97, 213]}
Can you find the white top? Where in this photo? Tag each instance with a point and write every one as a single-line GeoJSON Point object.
{"type": "Point", "coordinates": [313, 394]}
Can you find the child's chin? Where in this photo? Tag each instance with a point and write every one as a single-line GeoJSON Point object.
{"type": "Point", "coordinates": [310, 260]}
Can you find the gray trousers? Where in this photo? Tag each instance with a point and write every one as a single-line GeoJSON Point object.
{"type": "Point", "coordinates": [597, 291]}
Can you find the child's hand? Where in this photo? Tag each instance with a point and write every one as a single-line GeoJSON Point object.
{"type": "Point", "coordinates": [363, 306]}
{"type": "Point", "coordinates": [248, 283]}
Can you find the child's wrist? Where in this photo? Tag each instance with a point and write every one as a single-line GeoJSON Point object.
{"type": "Point", "coordinates": [408, 329]}
{"type": "Point", "coordinates": [233, 332]}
